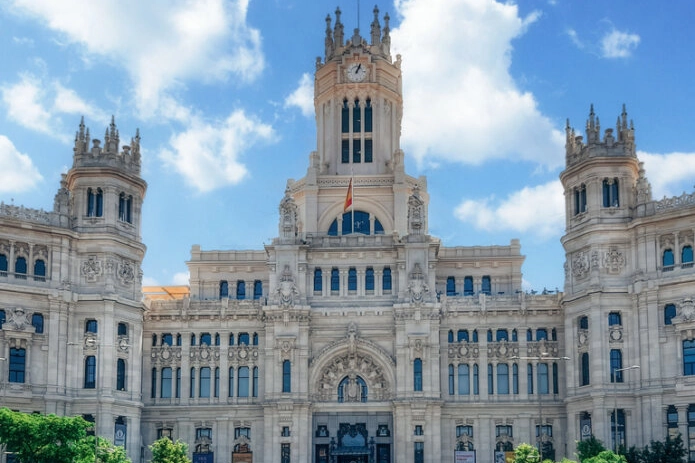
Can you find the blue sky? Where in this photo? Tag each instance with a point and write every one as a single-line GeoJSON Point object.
{"type": "Point", "coordinates": [222, 94]}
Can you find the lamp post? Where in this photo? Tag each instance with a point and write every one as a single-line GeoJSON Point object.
{"type": "Point", "coordinates": [543, 356]}
{"type": "Point", "coordinates": [91, 341]}
{"type": "Point", "coordinates": [615, 403]}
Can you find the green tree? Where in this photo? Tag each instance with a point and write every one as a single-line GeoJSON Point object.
{"type": "Point", "coordinates": [607, 456]}
{"type": "Point", "coordinates": [671, 451]}
{"type": "Point", "coordinates": [589, 448]}
{"type": "Point", "coordinates": [35, 438]}
{"type": "Point", "coordinates": [526, 453]}
{"type": "Point", "coordinates": [164, 450]}
{"type": "Point", "coordinates": [107, 452]}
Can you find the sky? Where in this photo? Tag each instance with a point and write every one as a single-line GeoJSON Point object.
{"type": "Point", "coordinates": [222, 93]}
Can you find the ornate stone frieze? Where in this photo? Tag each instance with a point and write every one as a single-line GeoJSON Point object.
{"type": "Point", "coordinates": [417, 287]}
{"type": "Point", "coordinates": [613, 260]}
{"type": "Point", "coordinates": [580, 264]}
{"type": "Point", "coordinates": [204, 353]}
{"type": "Point", "coordinates": [91, 269]}
{"type": "Point", "coordinates": [352, 366]}
{"type": "Point", "coordinates": [166, 355]}
{"type": "Point", "coordinates": [285, 346]}
{"type": "Point", "coordinates": [502, 350]}
{"type": "Point", "coordinates": [287, 291]}
{"type": "Point", "coordinates": [464, 351]}
{"type": "Point", "coordinates": [615, 334]}
{"type": "Point", "coordinates": [243, 355]}
{"type": "Point", "coordinates": [126, 272]}
{"type": "Point", "coordinates": [17, 320]}
{"type": "Point", "coordinates": [543, 348]}
{"type": "Point", "coordinates": [582, 340]}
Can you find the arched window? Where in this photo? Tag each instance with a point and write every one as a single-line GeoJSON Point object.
{"type": "Point", "coordinates": [541, 334]}
{"type": "Point", "coordinates": [462, 335]}
{"type": "Point", "coordinates": [91, 203]}
{"type": "Point", "coordinates": [178, 339]}
{"type": "Point", "coordinates": [318, 280]}
{"type": "Point", "coordinates": [585, 370]}
{"type": "Point", "coordinates": [257, 289]}
{"type": "Point", "coordinates": [231, 339]}
{"type": "Point", "coordinates": [90, 326]}
{"type": "Point", "coordinates": [204, 390]}
{"type": "Point", "coordinates": [689, 357]}
{"type": "Point", "coordinates": [529, 335]}
{"type": "Point", "coordinates": [362, 224]}
{"type": "Point", "coordinates": [351, 390]}
{"type": "Point", "coordinates": [687, 256]}
{"type": "Point", "coordinates": [450, 286]}
{"type": "Point", "coordinates": [584, 323]}
{"type": "Point", "coordinates": [345, 117]}
{"type": "Point", "coordinates": [3, 317]}
{"type": "Point", "coordinates": [475, 335]}
{"type": "Point", "coordinates": [286, 376]}
{"type": "Point", "coordinates": [99, 202]}
{"type": "Point", "coordinates": [90, 370]}
{"type": "Point", "coordinates": [610, 193]}
{"type": "Point", "coordinates": [205, 339]}
{"type": "Point", "coordinates": [450, 336]}
{"type": "Point", "coordinates": [39, 270]}
{"type": "Point", "coordinates": [17, 367]}
{"type": "Point", "coordinates": [122, 329]}
{"type": "Point", "coordinates": [468, 286]}
{"type": "Point", "coordinates": [125, 208]}
{"type": "Point", "coordinates": [352, 279]}
{"type": "Point", "coordinates": [464, 378]}
{"type": "Point", "coordinates": [335, 280]}
{"type": "Point", "coordinates": [386, 280]}
{"type": "Point", "coordinates": [502, 378]}
{"type": "Point", "coordinates": [489, 335]}
{"type": "Point", "coordinates": [556, 379]}
{"type": "Point", "coordinates": [224, 289]}
{"type": "Point", "coordinates": [192, 339]}
{"type": "Point", "coordinates": [669, 313]}
{"type": "Point", "coordinates": [240, 289]}
{"type": "Point", "coordinates": [369, 280]}
{"type": "Point", "coordinates": [368, 116]}
{"type": "Point", "coordinates": [417, 374]}
{"type": "Point", "coordinates": [667, 259]}
{"type": "Point", "coordinates": [20, 268]}
{"type": "Point", "coordinates": [254, 339]}
{"type": "Point", "coordinates": [356, 117]}
{"type": "Point", "coordinates": [515, 336]}
{"type": "Point", "coordinates": [616, 362]}
{"type": "Point", "coordinates": [3, 265]}
{"type": "Point", "coordinates": [580, 199]}
{"type": "Point", "coordinates": [502, 335]}
{"type": "Point", "coordinates": [243, 382]}
{"type": "Point", "coordinates": [37, 323]}
{"type": "Point", "coordinates": [244, 339]}
{"type": "Point", "coordinates": [165, 384]}
{"type": "Point", "coordinates": [154, 339]}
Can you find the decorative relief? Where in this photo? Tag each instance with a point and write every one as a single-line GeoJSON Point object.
{"type": "Point", "coordinates": [352, 365]}
{"type": "Point", "coordinates": [126, 272]}
{"type": "Point", "coordinates": [543, 348]}
{"type": "Point", "coordinates": [417, 288]}
{"type": "Point", "coordinates": [464, 351]}
{"type": "Point", "coordinates": [287, 291]}
{"type": "Point", "coordinates": [615, 334]}
{"type": "Point", "coordinates": [685, 310]}
{"type": "Point", "coordinates": [285, 346]}
{"type": "Point", "coordinates": [166, 355]}
{"type": "Point", "coordinates": [580, 264]}
{"type": "Point", "coordinates": [288, 216]}
{"type": "Point", "coordinates": [205, 353]}
{"type": "Point", "coordinates": [416, 213]}
{"type": "Point", "coordinates": [614, 260]}
{"type": "Point", "coordinates": [91, 269]}
{"type": "Point", "coordinates": [21, 249]}
{"type": "Point", "coordinates": [17, 319]}
{"type": "Point", "coordinates": [502, 350]}
{"type": "Point", "coordinates": [417, 347]}
{"type": "Point", "coordinates": [244, 355]}
{"type": "Point", "coordinates": [667, 241]}
{"type": "Point", "coordinates": [583, 340]}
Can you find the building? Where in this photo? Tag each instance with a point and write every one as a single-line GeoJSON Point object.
{"type": "Point", "coordinates": [355, 336]}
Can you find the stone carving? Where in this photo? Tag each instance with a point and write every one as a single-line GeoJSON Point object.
{"type": "Point", "coordinates": [580, 264]}
{"type": "Point", "coordinates": [91, 269]}
{"type": "Point", "coordinates": [417, 288]}
{"type": "Point", "coordinates": [287, 291]}
{"type": "Point", "coordinates": [288, 216]}
{"type": "Point", "coordinates": [684, 200]}
{"type": "Point", "coordinates": [614, 260]}
{"type": "Point", "coordinates": [126, 272]}
{"type": "Point", "coordinates": [351, 366]}
{"type": "Point", "coordinates": [686, 310]}
{"type": "Point", "coordinates": [416, 213]}
{"type": "Point", "coordinates": [18, 319]}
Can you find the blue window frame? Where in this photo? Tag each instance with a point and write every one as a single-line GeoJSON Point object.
{"type": "Point", "coordinates": [502, 335]}
{"type": "Point", "coordinates": [286, 376]}
{"type": "Point", "coordinates": [368, 150]}
{"type": "Point", "coordinates": [205, 339]}
{"type": "Point", "coordinates": [345, 151]}
{"type": "Point", "coordinates": [476, 379]}
{"type": "Point", "coordinates": [515, 335]}
{"type": "Point", "coordinates": [318, 280]}
{"type": "Point", "coordinates": [335, 279]}
{"type": "Point", "coordinates": [254, 339]}
{"type": "Point", "coordinates": [254, 389]}
{"type": "Point", "coordinates": [610, 193]}
{"type": "Point", "coordinates": [368, 116]}
{"type": "Point", "coordinates": [90, 372]}
{"type": "Point", "coordinates": [543, 378]}
{"type": "Point", "coordinates": [37, 323]}
{"type": "Point", "coordinates": [616, 363]}
{"type": "Point", "coordinates": [165, 383]}
{"type": "Point", "coordinates": [120, 375]}
{"type": "Point", "coordinates": [240, 289]}
{"type": "Point", "coordinates": [417, 374]}
{"type": "Point", "coordinates": [243, 339]}
{"type": "Point", "coordinates": [489, 335]}
{"type": "Point", "coordinates": [178, 382]}
{"type": "Point", "coordinates": [502, 378]}
{"type": "Point", "coordinates": [486, 287]}
{"type": "Point", "coordinates": [529, 378]}
{"type": "Point", "coordinates": [230, 392]}
{"type": "Point", "coordinates": [490, 380]}
{"type": "Point", "coordinates": [257, 289]}
{"type": "Point", "coordinates": [3, 265]}
{"type": "Point", "coordinates": [689, 357]}
{"type": "Point", "coordinates": [515, 378]}
{"type": "Point", "coordinates": [224, 289]}
{"type": "Point", "coordinates": [369, 279]}
{"type": "Point", "coordinates": [450, 286]}
{"type": "Point", "coordinates": [39, 270]}
{"type": "Point", "coordinates": [356, 117]}
{"type": "Point", "coordinates": [243, 382]}
{"type": "Point", "coordinates": [345, 117]}
{"type": "Point", "coordinates": [451, 379]}
{"type": "Point", "coordinates": [667, 258]}
{"type": "Point", "coordinates": [356, 151]}
{"type": "Point", "coordinates": [192, 383]}
{"type": "Point", "coordinates": [20, 268]}
{"type": "Point", "coordinates": [361, 223]}
{"type": "Point", "coordinates": [541, 334]}
{"type": "Point", "coordinates": [153, 384]}
{"type": "Point", "coordinates": [192, 339]}
{"type": "Point", "coordinates": [584, 323]}
{"type": "Point", "coordinates": [3, 318]}
{"type": "Point", "coordinates": [91, 326]}
{"type": "Point", "coordinates": [475, 335]}
{"type": "Point", "coordinates": [614, 319]}
{"type": "Point", "coordinates": [386, 279]}
{"type": "Point", "coordinates": [17, 367]}
{"type": "Point", "coordinates": [216, 385]}
{"type": "Point", "coordinates": [585, 373]}
{"type": "Point", "coordinates": [450, 336]}
{"type": "Point", "coordinates": [687, 255]}
{"type": "Point", "coordinates": [462, 335]}
{"type": "Point", "coordinates": [122, 329]}
{"type": "Point", "coordinates": [669, 313]}
{"type": "Point", "coordinates": [204, 389]}
{"type": "Point", "coordinates": [464, 378]}
{"type": "Point", "coordinates": [352, 279]}
{"type": "Point", "coordinates": [468, 286]}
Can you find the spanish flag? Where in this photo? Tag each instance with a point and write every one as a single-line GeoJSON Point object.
{"type": "Point", "coordinates": [348, 198]}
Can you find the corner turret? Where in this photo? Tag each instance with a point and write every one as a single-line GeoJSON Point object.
{"type": "Point", "coordinates": [108, 155]}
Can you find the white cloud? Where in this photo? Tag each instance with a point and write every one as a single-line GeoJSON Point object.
{"type": "Point", "coordinates": [462, 103]}
{"type": "Point", "coordinates": [181, 279]}
{"type": "Point", "coordinates": [17, 172]}
{"type": "Point", "coordinates": [208, 155]}
{"type": "Point", "coordinates": [537, 210]}
{"type": "Point", "coordinates": [160, 43]}
{"type": "Point", "coordinates": [303, 96]}
{"type": "Point", "coordinates": [574, 37]}
{"type": "Point", "coordinates": [669, 174]}
{"type": "Point", "coordinates": [616, 44]}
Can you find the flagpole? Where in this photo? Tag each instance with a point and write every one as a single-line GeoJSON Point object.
{"type": "Point", "coordinates": [352, 195]}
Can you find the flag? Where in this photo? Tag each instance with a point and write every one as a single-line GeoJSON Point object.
{"type": "Point", "coordinates": [348, 197]}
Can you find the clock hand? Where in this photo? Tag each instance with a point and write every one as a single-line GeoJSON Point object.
{"type": "Point", "coordinates": [359, 66]}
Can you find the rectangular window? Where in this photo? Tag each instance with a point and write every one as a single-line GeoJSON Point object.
{"type": "Point", "coordinates": [386, 280]}
{"type": "Point", "coordinates": [356, 151]}
{"type": "Point", "coordinates": [464, 379]}
{"type": "Point", "coordinates": [345, 151]}
{"type": "Point", "coordinates": [543, 378]}
{"type": "Point", "coordinates": [618, 430]}
{"type": "Point", "coordinates": [165, 386]}
{"type": "Point", "coordinates": [417, 374]}
{"type": "Point", "coordinates": [369, 279]}
{"type": "Point", "coordinates": [616, 359]}
{"type": "Point", "coordinates": [285, 453]}
{"type": "Point", "coordinates": [419, 452]}
{"type": "Point", "coordinates": [335, 280]}
{"type": "Point", "coordinates": [490, 381]}
{"type": "Point", "coordinates": [243, 382]}
{"type": "Point", "coordinates": [178, 383]}
{"type": "Point", "coordinates": [368, 150]}
{"type": "Point", "coordinates": [352, 279]}
{"type": "Point", "coordinates": [468, 286]}
{"type": "Point", "coordinates": [318, 280]}
{"type": "Point", "coordinates": [286, 376]}
{"type": "Point", "coordinates": [486, 287]}
{"type": "Point", "coordinates": [450, 286]}
{"type": "Point", "coordinates": [17, 365]}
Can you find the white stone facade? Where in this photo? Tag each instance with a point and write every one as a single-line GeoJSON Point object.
{"type": "Point", "coordinates": [354, 336]}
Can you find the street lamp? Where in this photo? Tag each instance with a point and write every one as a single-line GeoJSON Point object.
{"type": "Point", "coordinates": [615, 403]}
{"type": "Point", "coordinates": [543, 356]}
{"type": "Point", "coordinates": [91, 341]}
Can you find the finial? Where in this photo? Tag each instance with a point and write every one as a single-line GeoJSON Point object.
{"type": "Point", "coordinates": [337, 15]}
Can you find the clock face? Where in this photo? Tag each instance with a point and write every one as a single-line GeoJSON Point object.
{"type": "Point", "coordinates": [356, 72]}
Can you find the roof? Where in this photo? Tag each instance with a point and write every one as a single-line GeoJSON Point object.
{"type": "Point", "coordinates": [165, 293]}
